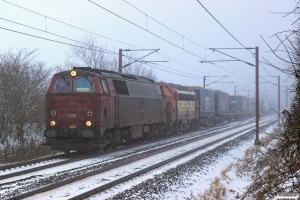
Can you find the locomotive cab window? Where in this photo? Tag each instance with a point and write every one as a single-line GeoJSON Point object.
{"type": "Point", "coordinates": [104, 86]}
{"type": "Point", "coordinates": [62, 85]}
{"type": "Point", "coordinates": [84, 84]}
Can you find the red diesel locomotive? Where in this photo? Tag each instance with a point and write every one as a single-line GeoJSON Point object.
{"type": "Point", "coordinates": [91, 109]}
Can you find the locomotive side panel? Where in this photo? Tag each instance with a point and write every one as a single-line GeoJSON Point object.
{"type": "Point", "coordinates": [138, 103]}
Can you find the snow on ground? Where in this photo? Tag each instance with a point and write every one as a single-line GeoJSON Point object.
{"type": "Point", "coordinates": [102, 158]}
{"type": "Point", "coordinates": [197, 182]}
{"type": "Point", "coordinates": [235, 183]}
{"type": "Point", "coordinates": [105, 177]}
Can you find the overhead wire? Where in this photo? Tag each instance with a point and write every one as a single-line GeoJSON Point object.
{"type": "Point", "coordinates": [178, 33]}
{"type": "Point", "coordinates": [227, 30]}
{"type": "Point", "coordinates": [107, 37]}
{"type": "Point", "coordinates": [79, 29]}
{"type": "Point", "coordinates": [94, 48]}
{"type": "Point", "coordinates": [158, 36]}
{"type": "Point", "coordinates": [69, 24]}
{"type": "Point", "coordinates": [146, 30]}
{"type": "Point", "coordinates": [171, 71]}
{"type": "Point", "coordinates": [56, 41]}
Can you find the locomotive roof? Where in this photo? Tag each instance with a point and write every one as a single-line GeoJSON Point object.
{"type": "Point", "coordinates": [179, 87]}
{"type": "Point", "coordinates": [111, 74]}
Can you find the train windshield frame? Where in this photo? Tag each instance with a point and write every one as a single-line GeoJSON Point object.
{"type": "Point", "coordinates": [62, 85]}
{"type": "Point", "coordinates": [84, 84]}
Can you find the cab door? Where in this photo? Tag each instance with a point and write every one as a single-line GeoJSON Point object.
{"type": "Point", "coordinates": [106, 104]}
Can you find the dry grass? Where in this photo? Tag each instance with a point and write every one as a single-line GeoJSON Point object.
{"type": "Point", "coordinates": [24, 152]}
{"type": "Point", "coordinates": [243, 166]}
{"type": "Point", "coordinates": [216, 190]}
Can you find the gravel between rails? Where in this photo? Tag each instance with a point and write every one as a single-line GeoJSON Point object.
{"type": "Point", "coordinates": [158, 165]}
{"type": "Point", "coordinates": [27, 185]}
{"type": "Point", "coordinates": [173, 179]}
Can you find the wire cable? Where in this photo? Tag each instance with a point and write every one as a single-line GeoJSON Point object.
{"type": "Point", "coordinates": [227, 31]}
{"type": "Point", "coordinates": [51, 40]}
{"type": "Point", "coordinates": [157, 36]}
{"type": "Point", "coordinates": [93, 47]}
{"type": "Point", "coordinates": [64, 23]}
{"type": "Point", "coordinates": [68, 24]}
{"type": "Point", "coordinates": [178, 33]}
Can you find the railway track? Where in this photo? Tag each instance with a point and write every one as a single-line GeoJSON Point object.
{"type": "Point", "coordinates": [58, 160]}
{"type": "Point", "coordinates": [129, 160]}
{"type": "Point", "coordinates": [154, 166]}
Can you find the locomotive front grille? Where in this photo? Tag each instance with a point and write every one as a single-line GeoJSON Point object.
{"type": "Point", "coordinates": [69, 134]}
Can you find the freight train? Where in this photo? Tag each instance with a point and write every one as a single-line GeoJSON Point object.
{"type": "Point", "coordinates": [90, 109]}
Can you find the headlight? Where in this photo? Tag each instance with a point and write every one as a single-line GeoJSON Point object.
{"type": "Point", "coordinates": [88, 123]}
{"type": "Point", "coordinates": [87, 133]}
{"type": "Point", "coordinates": [52, 123]}
{"type": "Point", "coordinates": [53, 113]}
{"type": "Point", "coordinates": [73, 73]}
{"type": "Point", "coordinates": [50, 133]}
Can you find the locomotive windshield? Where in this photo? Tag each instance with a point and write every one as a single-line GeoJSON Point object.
{"type": "Point", "coordinates": [84, 85]}
{"type": "Point", "coordinates": [62, 84]}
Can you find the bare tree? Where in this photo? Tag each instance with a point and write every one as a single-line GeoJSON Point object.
{"type": "Point", "coordinates": [88, 52]}
{"type": "Point", "coordinates": [279, 169]}
{"type": "Point", "coordinates": [23, 83]}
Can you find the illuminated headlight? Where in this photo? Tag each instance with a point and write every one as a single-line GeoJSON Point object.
{"type": "Point", "coordinates": [87, 133]}
{"type": "Point", "coordinates": [88, 123]}
{"type": "Point", "coordinates": [52, 123]}
{"type": "Point", "coordinates": [73, 73]}
{"type": "Point", "coordinates": [50, 133]}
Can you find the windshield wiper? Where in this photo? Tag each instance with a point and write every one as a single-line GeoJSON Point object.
{"type": "Point", "coordinates": [88, 80]}
{"type": "Point", "coordinates": [65, 80]}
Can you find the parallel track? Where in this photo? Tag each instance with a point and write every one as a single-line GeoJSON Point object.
{"type": "Point", "coordinates": [115, 165]}
{"type": "Point", "coordinates": [72, 158]}
{"type": "Point", "coordinates": [152, 167]}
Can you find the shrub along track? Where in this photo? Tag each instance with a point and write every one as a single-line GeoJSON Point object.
{"type": "Point", "coordinates": [39, 184]}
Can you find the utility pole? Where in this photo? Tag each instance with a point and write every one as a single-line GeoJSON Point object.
{"type": "Point", "coordinates": [256, 80]}
{"type": "Point", "coordinates": [278, 101]}
{"type": "Point", "coordinates": [257, 96]}
{"type": "Point", "coordinates": [137, 60]}
{"type": "Point", "coordinates": [120, 61]}
{"type": "Point", "coordinates": [248, 92]}
{"type": "Point", "coordinates": [204, 81]}
{"type": "Point", "coordinates": [235, 90]}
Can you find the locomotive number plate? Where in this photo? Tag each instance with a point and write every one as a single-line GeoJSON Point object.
{"type": "Point", "coordinates": [72, 126]}
{"type": "Point", "coordinates": [71, 115]}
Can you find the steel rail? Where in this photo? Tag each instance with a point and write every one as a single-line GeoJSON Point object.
{"type": "Point", "coordinates": [80, 157]}
{"type": "Point", "coordinates": [155, 166]}
{"type": "Point", "coordinates": [30, 162]}
{"type": "Point", "coordinates": [115, 165]}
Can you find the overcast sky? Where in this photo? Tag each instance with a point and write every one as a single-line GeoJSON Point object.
{"type": "Point", "coordinates": [184, 40]}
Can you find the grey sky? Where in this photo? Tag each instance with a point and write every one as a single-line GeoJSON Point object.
{"type": "Point", "coordinates": [246, 20]}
